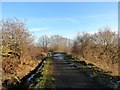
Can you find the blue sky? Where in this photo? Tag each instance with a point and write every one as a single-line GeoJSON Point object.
{"type": "Point", "coordinates": [66, 19]}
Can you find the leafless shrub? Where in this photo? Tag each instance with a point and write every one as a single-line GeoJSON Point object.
{"type": "Point", "coordinates": [100, 48]}
{"type": "Point", "coordinates": [17, 46]}
{"type": "Point", "coordinates": [55, 43]}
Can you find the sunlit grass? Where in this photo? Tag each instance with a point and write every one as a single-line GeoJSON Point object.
{"type": "Point", "coordinates": [46, 80]}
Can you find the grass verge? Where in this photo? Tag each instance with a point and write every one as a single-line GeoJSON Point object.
{"type": "Point", "coordinates": [98, 74]}
{"type": "Point", "coordinates": [46, 79]}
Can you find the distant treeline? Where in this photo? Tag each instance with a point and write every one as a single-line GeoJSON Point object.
{"type": "Point", "coordinates": [100, 48]}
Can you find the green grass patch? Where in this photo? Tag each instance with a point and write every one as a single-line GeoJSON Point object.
{"type": "Point", "coordinates": [46, 80]}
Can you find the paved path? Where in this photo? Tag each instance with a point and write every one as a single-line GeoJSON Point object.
{"type": "Point", "coordinates": [67, 76]}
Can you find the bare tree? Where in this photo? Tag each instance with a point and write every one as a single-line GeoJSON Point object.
{"type": "Point", "coordinates": [59, 43]}
{"type": "Point", "coordinates": [18, 51]}
{"type": "Point", "coordinates": [82, 44]}
{"type": "Point", "coordinates": [107, 42]}
{"type": "Point", "coordinates": [15, 38]}
{"type": "Point", "coordinates": [43, 42]}
{"type": "Point", "coordinates": [100, 48]}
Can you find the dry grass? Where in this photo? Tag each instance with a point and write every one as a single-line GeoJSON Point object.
{"type": "Point", "coordinates": [14, 71]}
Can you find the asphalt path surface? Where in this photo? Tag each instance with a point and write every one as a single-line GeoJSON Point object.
{"type": "Point", "coordinates": [67, 76]}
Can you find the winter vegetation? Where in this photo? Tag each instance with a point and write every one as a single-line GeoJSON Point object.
{"type": "Point", "coordinates": [100, 49]}
{"type": "Point", "coordinates": [20, 54]}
